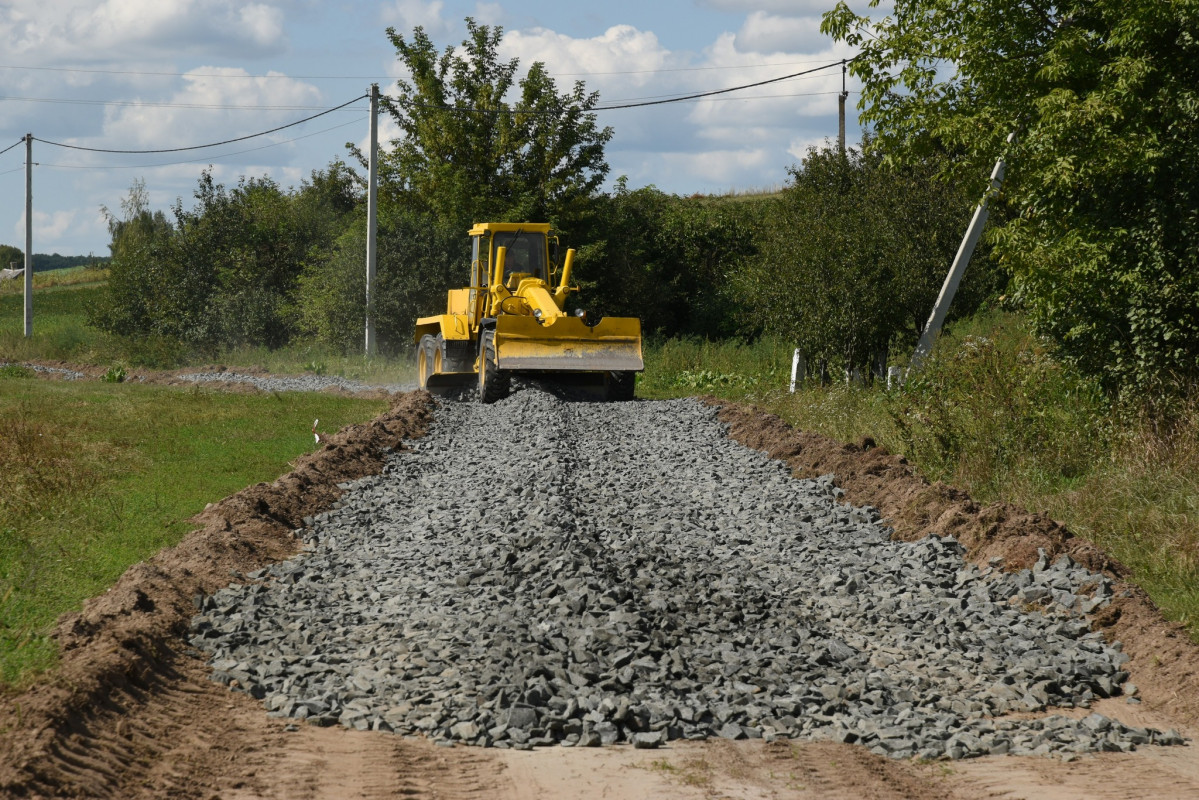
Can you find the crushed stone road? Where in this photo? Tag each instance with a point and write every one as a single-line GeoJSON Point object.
{"type": "Point", "coordinates": [542, 572]}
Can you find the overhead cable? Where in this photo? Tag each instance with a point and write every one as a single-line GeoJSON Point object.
{"type": "Point", "coordinates": [155, 104]}
{"type": "Point", "coordinates": [19, 142]}
{"type": "Point", "coordinates": [200, 160]}
{"type": "Point", "coordinates": [699, 95]}
{"type": "Point", "coordinates": [378, 77]}
{"type": "Point", "coordinates": [637, 104]}
{"type": "Point", "coordinates": [212, 144]}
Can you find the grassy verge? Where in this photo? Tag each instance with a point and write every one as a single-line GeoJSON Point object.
{"type": "Point", "coordinates": [99, 476]}
{"type": "Point", "coordinates": [994, 414]}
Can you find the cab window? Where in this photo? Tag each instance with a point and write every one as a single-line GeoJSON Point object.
{"type": "Point", "coordinates": [526, 253]}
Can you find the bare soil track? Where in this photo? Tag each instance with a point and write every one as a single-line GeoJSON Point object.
{"type": "Point", "coordinates": [130, 712]}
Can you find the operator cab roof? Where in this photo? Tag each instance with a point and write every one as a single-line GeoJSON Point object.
{"type": "Point", "coordinates": [509, 227]}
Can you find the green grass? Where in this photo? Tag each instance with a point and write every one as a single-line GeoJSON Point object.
{"type": "Point", "coordinates": [61, 333]}
{"type": "Point", "coordinates": [97, 476]}
{"type": "Point", "coordinates": [994, 414]}
{"type": "Point", "coordinates": [60, 329]}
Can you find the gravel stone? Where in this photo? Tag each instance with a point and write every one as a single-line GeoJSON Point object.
{"type": "Point", "coordinates": [300, 383]}
{"type": "Point", "coordinates": [539, 571]}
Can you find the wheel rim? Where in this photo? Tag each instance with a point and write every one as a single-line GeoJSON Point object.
{"type": "Point", "coordinates": [423, 367]}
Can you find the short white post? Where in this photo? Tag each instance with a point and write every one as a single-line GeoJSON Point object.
{"type": "Point", "coordinates": [799, 367]}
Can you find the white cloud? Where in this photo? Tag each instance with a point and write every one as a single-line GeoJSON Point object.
{"type": "Point", "coordinates": [766, 33]}
{"type": "Point", "coordinates": [791, 8]}
{"type": "Point", "coordinates": [800, 145]}
{"type": "Point", "coordinates": [720, 168]}
{"type": "Point", "coordinates": [620, 56]}
{"type": "Point", "coordinates": [404, 15]}
{"type": "Point", "coordinates": [51, 226]}
{"type": "Point", "coordinates": [83, 30]}
{"type": "Point", "coordinates": [221, 91]}
{"type": "Point", "coordinates": [490, 13]}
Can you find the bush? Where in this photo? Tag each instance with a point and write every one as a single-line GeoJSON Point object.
{"type": "Point", "coordinates": [853, 257]}
{"type": "Point", "coordinates": [417, 260]}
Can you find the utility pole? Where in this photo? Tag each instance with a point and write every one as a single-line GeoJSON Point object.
{"type": "Point", "coordinates": [841, 108]}
{"type": "Point", "coordinates": [372, 203]}
{"type": "Point", "coordinates": [965, 250]}
{"type": "Point", "coordinates": [28, 235]}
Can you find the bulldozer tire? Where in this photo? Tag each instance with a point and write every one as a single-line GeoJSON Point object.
{"type": "Point", "coordinates": [494, 384]}
{"type": "Point", "coordinates": [425, 355]}
{"type": "Point", "coordinates": [438, 349]}
{"type": "Point", "coordinates": [621, 385]}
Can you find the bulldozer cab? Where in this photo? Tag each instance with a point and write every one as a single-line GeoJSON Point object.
{"type": "Point", "coordinates": [526, 253]}
{"type": "Point", "coordinates": [526, 258]}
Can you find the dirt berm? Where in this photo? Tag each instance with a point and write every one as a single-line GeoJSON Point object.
{"type": "Point", "coordinates": [1164, 661]}
{"type": "Point", "coordinates": [130, 711]}
{"type": "Point", "coordinates": [73, 733]}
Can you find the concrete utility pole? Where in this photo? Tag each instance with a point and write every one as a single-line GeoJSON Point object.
{"type": "Point", "coordinates": [965, 250]}
{"type": "Point", "coordinates": [28, 235]}
{"type": "Point", "coordinates": [372, 203]}
{"type": "Point", "coordinates": [841, 108]}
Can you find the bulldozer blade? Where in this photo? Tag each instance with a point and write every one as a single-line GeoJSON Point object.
{"type": "Point", "coordinates": [449, 383]}
{"type": "Point", "coordinates": [567, 344]}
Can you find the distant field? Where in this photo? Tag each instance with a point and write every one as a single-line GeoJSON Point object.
{"type": "Point", "coordinates": [61, 332]}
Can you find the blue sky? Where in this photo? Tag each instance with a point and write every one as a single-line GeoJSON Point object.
{"type": "Point", "coordinates": [151, 74]}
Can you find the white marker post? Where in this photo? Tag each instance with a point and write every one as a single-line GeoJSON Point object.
{"type": "Point", "coordinates": [799, 368]}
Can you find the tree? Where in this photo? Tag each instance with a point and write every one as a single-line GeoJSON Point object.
{"type": "Point", "coordinates": [467, 153]}
{"type": "Point", "coordinates": [226, 271]}
{"type": "Point", "coordinates": [1102, 232]}
{"type": "Point", "coordinates": [9, 254]}
{"type": "Point", "coordinates": [853, 257]}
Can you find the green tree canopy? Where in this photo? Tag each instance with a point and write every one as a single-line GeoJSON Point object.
{"type": "Point", "coordinates": [854, 255]}
{"type": "Point", "coordinates": [479, 144]}
{"type": "Point", "coordinates": [1102, 230]}
{"type": "Point", "coordinates": [9, 254]}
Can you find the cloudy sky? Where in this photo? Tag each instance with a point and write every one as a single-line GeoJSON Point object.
{"type": "Point", "coordinates": [159, 74]}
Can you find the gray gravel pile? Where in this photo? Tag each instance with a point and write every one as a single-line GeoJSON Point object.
{"type": "Point", "coordinates": [539, 572]}
{"type": "Point", "coordinates": [301, 383]}
{"type": "Point", "coordinates": [67, 374]}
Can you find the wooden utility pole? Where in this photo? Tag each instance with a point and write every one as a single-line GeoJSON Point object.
{"type": "Point", "coordinates": [948, 289]}
{"type": "Point", "coordinates": [841, 108]}
{"type": "Point", "coordinates": [372, 203]}
{"type": "Point", "coordinates": [28, 235]}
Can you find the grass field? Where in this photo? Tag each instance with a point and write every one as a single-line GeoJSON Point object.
{"type": "Point", "coordinates": [98, 476]}
{"type": "Point", "coordinates": [996, 416]}
{"type": "Point", "coordinates": [61, 332]}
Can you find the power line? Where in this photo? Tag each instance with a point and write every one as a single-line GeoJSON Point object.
{"type": "Point", "coordinates": [153, 104]}
{"type": "Point", "coordinates": [672, 96]}
{"type": "Point", "coordinates": [199, 160]}
{"type": "Point", "coordinates": [699, 95]}
{"type": "Point", "coordinates": [637, 104]}
{"type": "Point", "coordinates": [18, 143]}
{"type": "Point", "coordinates": [380, 77]}
{"type": "Point", "coordinates": [203, 146]}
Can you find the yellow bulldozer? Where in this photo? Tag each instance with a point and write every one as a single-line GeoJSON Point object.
{"type": "Point", "coordinates": [512, 320]}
